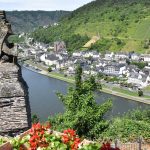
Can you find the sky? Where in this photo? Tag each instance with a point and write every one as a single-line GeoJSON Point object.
{"type": "Point", "coordinates": [41, 4]}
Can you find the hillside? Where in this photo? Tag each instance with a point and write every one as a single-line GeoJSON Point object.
{"type": "Point", "coordinates": [123, 25]}
{"type": "Point", "coordinates": [26, 21]}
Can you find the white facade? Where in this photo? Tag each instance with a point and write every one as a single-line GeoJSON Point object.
{"type": "Point", "coordinates": [120, 56]}
{"type": "Point", "coordinates": [135, 57]}
{"type": "Point", "coordinates": [139, 81]}
{"type": "Point", "coordinates": [49, 62]}
{"type": "Point", "coordinates": [146, 58]}
{"type": "Point", "coordinates": [109, 56]}
{"type": "Point", "coordinates": [76, 54]}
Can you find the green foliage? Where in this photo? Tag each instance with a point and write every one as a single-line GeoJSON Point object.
{"type": "Point", "coordinates": [140, 93]}
{"type": "Point", "coordinates": [35, 119]}
{"type": "Point", "coordinates": [26, 21]}
{"type": "Point", "coordinates": [82, 113]}
{"type": "Point", "coordinates": [111, 79]}
{"type": "Point", "coordinates": [56, 142]}
{"type": "Point", "coordinates": [92, 146]}
{"type": "Point", "coordinates": [122, 25]}
{"type": "Point", "coordinates": [2, 141]}
{"type": "Point", "coordinates": [78, 76]}
{"type": "Point", "coordinates": [49, 69]}
{"type": "Point", "coordinates": [140, 65]}
{"type": "Point", "coordinates": [16, 39]}
{"type": "Point", "coordinates": [75, 42]}
{"type": "Point", "coordinates": [102, 45]}
{"type": "Point", "coordinates": [17, 142]}
{"type": "Point", "coordinates": [128, 128]}
{"type": "Point", "coordinates": [139, 115]}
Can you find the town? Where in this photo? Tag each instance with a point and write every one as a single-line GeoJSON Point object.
{"type": "Point", "coordinates": [75, 75]}
{"type": "Point", "coordinates": [127, 70]}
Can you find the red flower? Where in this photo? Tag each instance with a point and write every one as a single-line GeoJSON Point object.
{"type": "Point", "coordinates": [65, 138]}
{"type": "Point", "coordinates": [37, 138]}
{"type": "Point", "coordinates": [71, 139]}
{"type": "Point", "coordinates": [33, 145]}
{"type": "Point", "coordinates": [70, 132]}
{"type": "Point", "coordinates": [48, 125]}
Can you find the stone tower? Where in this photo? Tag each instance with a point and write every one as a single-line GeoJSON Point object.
{"type": "Point", "coordinates": [15, 114]}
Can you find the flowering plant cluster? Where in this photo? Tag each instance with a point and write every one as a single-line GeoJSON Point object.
{"type": "Point", "coordinates": [41, 137]}
{"type": "Point", "coordinates": [71, 139]}
{"type": "Point", "coordinates": [37, 136]}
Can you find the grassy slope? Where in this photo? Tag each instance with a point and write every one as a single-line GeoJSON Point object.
{"type": "Point", "coordinates": [126, 20]}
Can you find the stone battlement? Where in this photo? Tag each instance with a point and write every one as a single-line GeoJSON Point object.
{"type": "Point", "coordinates": [6, 48]}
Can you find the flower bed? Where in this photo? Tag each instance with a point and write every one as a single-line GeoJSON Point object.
{"type": "Point", "coordinates": [41, 137]}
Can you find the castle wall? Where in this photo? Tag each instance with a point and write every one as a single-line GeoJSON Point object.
{"type": "Point", "coordinates": [14, 102]}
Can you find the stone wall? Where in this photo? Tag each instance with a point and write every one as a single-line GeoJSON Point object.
{"type": "Point", "coordinates": [14, 103]}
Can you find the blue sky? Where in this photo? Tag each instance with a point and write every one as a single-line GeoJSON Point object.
{"type": "Point", "coordinates": [41, 4]}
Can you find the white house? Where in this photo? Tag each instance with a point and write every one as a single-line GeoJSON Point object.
{"type": "Point", "coordinates": [135, 57]}
{"type": "Point", "coordinates": [139, 79]}
{"type": "Point", "coordinates": [50, 59]}
{"type": "Point", "coordinates": [96, 55]}
{"type": "Point", "coordinates": [88, 54]}
{"type": "Point", "coordinates": [109, 56]}
{"type": "Point", "coordinates": [114, 69]}
{"type": "Point", "coordinates": [146, 58]}
{"type": "Point", "coordinates": [120, 56]}
{"type": "Point", "coordinates": [76, 54]}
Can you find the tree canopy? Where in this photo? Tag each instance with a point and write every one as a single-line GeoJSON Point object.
{"type": "Point", "coordinates": [82, 113]}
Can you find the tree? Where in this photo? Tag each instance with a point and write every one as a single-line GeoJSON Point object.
{"type": "Point", "coordinates": [82, 113]}
{"type": "Point", "coordinates": [140, 92]}
{"type": "Point", "coordinates": [140, 65]}
{"type": "Point", "coordinates": [35, 118]}
{"type": "Point", "coordinates": [49, 69]}
{"type": "Point", "coordinates": [78, 76]}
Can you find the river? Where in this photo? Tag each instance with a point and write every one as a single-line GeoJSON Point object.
{"type": "Point", "coordinates": [44, 101]}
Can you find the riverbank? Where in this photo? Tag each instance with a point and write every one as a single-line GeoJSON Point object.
{"type": "Point", "coordinates": [43, 71]}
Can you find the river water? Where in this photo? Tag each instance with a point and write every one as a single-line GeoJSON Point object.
{"type": "Point", "coordinates": [44, 101]}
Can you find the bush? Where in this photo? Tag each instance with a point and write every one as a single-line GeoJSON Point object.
{"type": "Point", "coordinates": [49, 69]}
{"type": "Point", "coordinates": [140, 93]}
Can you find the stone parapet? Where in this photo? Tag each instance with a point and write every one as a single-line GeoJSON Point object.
{"type": "Point", "coordinates": [14, 102]}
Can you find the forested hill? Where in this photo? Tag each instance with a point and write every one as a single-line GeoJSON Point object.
{"type": "Point", "coordinates": [26, 21]}
{"type": "Point", "coordinates": [121, 24]}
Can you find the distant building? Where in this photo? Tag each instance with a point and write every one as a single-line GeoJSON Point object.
{"type": "Point", "coordinates": [114, 69]}
{"type": "Point", "coordinates": [109, 56]}
{"type": "Point", "coordinates": [120, 56]}
{"type": "Point", "coordinates": [146, 57]}
{"type": "Point", "coordinates": [135, 57]}
{"type": "Point", "coordinates": [141, 80]}
{"type": "Point", "coordinates": [59, 46]}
